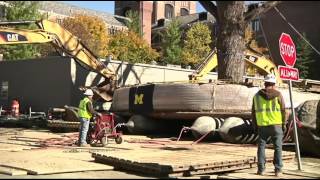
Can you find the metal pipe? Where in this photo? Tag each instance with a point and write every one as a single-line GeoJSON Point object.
{"type": "Point", "coordinates": [295, 128]}
{"type": "Point", "coordinates": [13, 23]}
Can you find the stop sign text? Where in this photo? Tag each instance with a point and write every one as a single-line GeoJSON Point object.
{"type": "Point", "coordinates": [288, 73]}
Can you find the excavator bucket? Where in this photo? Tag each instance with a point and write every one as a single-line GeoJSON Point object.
{"type": "Point", "coordinates": [104, 90]}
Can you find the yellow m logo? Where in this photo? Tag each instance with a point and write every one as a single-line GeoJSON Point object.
{"type": "Point", "coordinates": [138, 99]}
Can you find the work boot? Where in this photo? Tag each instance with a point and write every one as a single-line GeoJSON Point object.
{"type": "Point", "coordinates": [85, 145]}
{"type": "Point", "coordinates": [261, 173]}
{"type": "Point", "coordinates": [278, 173]}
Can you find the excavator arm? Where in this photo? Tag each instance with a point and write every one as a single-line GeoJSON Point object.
{"type": "Point", "coordinates": [65, 42]}
{"type": "Point", "coordinates": [260, 62]}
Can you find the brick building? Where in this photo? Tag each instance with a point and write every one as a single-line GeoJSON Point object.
{"type": "Point", "coordinates": [151, 11]}
{"type": "Point", "coordinates": [186, 22]}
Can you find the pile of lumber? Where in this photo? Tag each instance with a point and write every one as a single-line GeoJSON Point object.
{"type": "Point", "coordinates": [176, 160]}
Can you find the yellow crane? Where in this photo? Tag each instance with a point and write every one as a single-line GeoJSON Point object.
{"type": "Point", "coordinates": [66, 44]}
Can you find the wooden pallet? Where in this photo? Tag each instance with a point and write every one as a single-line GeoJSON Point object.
{"type": "Point", "coordinates": [187, 161]}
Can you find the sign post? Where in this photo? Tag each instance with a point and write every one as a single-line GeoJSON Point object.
{"type": "Point", "coordinates": [288, 55]}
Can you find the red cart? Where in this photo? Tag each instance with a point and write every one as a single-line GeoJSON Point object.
{"type": "Point", "coordinates": [104, 129]}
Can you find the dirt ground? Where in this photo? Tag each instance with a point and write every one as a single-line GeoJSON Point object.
{"type": "Point", "coordinates": [41, 154]}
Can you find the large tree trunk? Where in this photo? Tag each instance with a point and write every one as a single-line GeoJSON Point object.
{"type": "Point", "coordinates": [231, 43]}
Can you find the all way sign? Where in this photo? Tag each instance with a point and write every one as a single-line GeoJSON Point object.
{"type": "Point", "coordinates": [288, 73]}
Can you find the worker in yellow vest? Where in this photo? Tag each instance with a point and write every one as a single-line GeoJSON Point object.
{"type": "Point", "coordinates": [85, 113]}
{"type": "Point", "coordinates": [268, 117]}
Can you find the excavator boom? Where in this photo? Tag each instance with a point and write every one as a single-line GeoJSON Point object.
{"type": "Point", "coordinates": [260, 62]}
{"type": "Point", "coordinates": [64, 41]}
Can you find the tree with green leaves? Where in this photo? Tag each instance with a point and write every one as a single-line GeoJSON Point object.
{"type": "Point", "coordinates": [134, 24]}
{"type": "Point", "coordinates": [305, 58]}
{"type": "Point", "coordinates": [21, 10]}
{"type": "Point", "coordinates": [129, 46]}
{"type": "Point", "coordinates": [197, 44]}
{"type": "Point", "coordinates": [172, 44]}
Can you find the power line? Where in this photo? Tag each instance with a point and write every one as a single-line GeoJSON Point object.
{"type": "Point", "coordinates": [284, 18]}
{"type": "Point", "coordinates": [265, 37]}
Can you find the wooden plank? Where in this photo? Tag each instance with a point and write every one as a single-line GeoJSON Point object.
{"type": "Point", "coordinates": [267, 175]}
{"type": "Point", "coordinates": [302, 174]}
{"type": "Point", "coordinates": [185, 159]}
{"type": "Point", "coordinates": [14, 149]}
{"type": "Point", "coordinates": [130, 165]}
{"type": "Point", "coordinates": [50, 161]}
{"type": "Point", "coordinates": [20, 143]}
{"type": "Point", "coordinates": [24, 140]}
{"type": "Point", "coordinates": [12, 171]}
{"type": "Point", "coordinates": [220, 169]}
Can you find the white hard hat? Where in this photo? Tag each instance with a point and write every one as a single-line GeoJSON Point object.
{"type": "Point", "coordinates": [88, 92]}
{"type": "Point", "coordinates": [270, 78]}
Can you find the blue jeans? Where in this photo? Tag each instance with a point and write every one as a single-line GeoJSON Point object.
{"type": "Point", "coordinates": [84, 127]}
{"type": "Point", "coordinates": [276, 134]}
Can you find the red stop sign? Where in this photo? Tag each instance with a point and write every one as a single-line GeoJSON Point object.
{"type": "Point", "coordinates": [287, 49]}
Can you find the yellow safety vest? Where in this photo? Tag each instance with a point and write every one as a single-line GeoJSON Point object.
{"type": "Point", "coordinates": [83, 112]}
{"type": "Point", "coordinates": [268, 112]}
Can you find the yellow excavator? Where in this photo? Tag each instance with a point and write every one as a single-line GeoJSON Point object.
{"type": "Point", "coordinates": [66, 44]}
{"type": "Point", "coordinates": [263, 64]}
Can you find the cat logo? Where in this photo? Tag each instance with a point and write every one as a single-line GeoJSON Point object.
{"type": "Point", "coordinates": [138, 99]}
{"type": "Point", "coordinates": [12, 37]}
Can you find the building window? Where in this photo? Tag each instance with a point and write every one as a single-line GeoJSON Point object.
{"type": "Point", "coordinates": [184, 4]}
{"type": "Point", "coordinates": [184, 12]}
{"type": "Point", "coordinates": [59, 20]}
{"type": "Point", "coordinates": [255, 25]}
{"type": "Point", "coordinates": [168, 11]}
{"type": "Point", "coordinates": [4, 90]}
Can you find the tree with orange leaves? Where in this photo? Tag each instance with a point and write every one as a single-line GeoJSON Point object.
{"type": "Point", "coordinates": [91, 30]}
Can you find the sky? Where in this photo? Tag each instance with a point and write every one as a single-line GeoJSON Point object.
{"type": "Point", "coordinates": [106, 6]}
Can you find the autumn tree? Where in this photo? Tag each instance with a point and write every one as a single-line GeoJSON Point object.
{"type": "Point", "coordinates": [131, 47]}
{"type": "Point", "coordinates": [17, 11]}
{"type": "Point", "coordinates": [305, 58]}
{"type": "Point", "coordinates": [172, 44]}
{"type": "Point", "coordinates": [197, 44]}
{"type": "Point", "coordinates": [232, 19]}
{"type": "Point", "coordinates": [91, 30]}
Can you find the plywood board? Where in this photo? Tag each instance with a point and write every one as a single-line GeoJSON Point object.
{"type": "Point", "coordinates": [50, 161]}
{"type": "Point", "coordinates": [12, 171]}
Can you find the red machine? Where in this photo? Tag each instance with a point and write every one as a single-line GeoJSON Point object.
{"type": "Point", "coordinates": [15, 108]}
{"type": "Point", "coordinates": [103, 129]}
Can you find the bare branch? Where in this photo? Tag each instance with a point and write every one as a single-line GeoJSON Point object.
{"type": "Point", "coordinates": [211, 8]}
{"type": "Point", "coordinates": [260, 10]}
